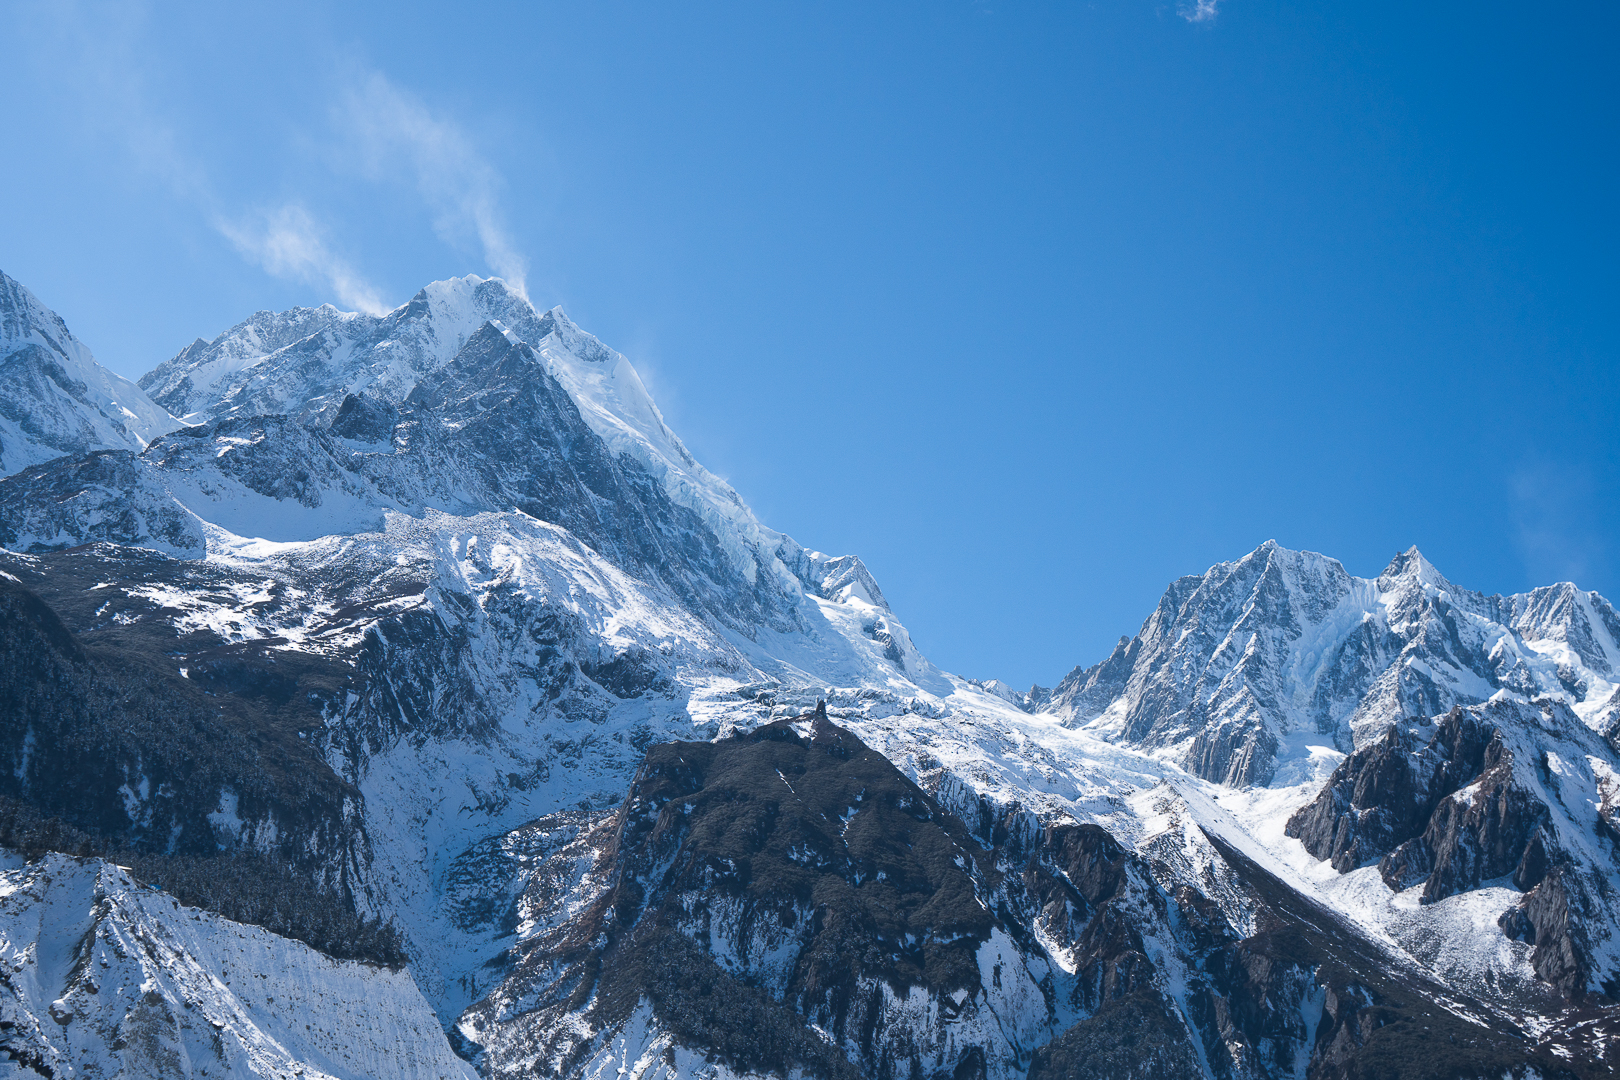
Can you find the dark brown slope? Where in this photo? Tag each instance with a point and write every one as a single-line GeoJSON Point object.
{"type": "Point", "coordinates": [106, 750]}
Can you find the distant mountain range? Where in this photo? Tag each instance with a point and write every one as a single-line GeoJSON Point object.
{"type": "Point", "coordinates": [397, 696]}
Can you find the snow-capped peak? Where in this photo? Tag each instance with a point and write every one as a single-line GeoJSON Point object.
{"type": "Point", "coordinates": [1245, 673]}
{"type": "Point", "coordinates": [55, 399]}
{"type": "Point", "coordinates": [1411, 566]}
{"type": "Point", "coordinates": [306, 361]}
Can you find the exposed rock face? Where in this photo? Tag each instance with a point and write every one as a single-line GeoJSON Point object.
{"type": "Point", "coordinates": [1382, 800]}
{"type": "Point", "coordinates": [1543, 919]}
{"type": "Point", "coordinates": [1490, 829]}
{"type": "Point", "coordinates": [1490, 792]}
{"type": "Point", "coordinates": [789, 900]}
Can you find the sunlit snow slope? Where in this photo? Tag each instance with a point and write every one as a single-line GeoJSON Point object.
{"type": "Point", "coordinates": [107, 979]}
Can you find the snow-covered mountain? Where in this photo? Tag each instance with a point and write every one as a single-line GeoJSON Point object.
{"type": "Point", "coordinates": [1241, 671]}
{"type": "Point", "coordinates": [433, 612]}
{"type": "Point", "coordinates": [55, 400]}
{"type": "Point", "coordinates": [303, 363]}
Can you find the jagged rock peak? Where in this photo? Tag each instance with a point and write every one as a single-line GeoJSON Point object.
{"type": "Point", "coordinates": [1240, 670]}
{"type": "Point", "coordinates": [55, 399]}
{"type": "Point", "coordinates": [305, 360]}
{"type": "Point", "coordinates": [1410, 565]}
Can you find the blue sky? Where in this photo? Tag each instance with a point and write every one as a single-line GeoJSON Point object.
{"type": "Point", "coordinates": [1035, 307]}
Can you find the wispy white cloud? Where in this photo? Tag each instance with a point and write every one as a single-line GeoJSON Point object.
{"type": "Point", "coordinates": [99, 55]}
{"type": "Point", "coordinates": [288, 243]}
{"type": "Point", "coordinates": [1199, 11]}
{"type": "Point", "coordinates": [100, 47]}
{"type": "Point", "coordinates": [391, 128]}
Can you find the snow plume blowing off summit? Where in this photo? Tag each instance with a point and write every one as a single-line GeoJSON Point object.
{"type": "Point", "coordinates": [390, 129]}
{"type": "Point", "coordinates": [371, 131]}
{"type": "Point", "coordinates": [388, 134]}
{"type": "Point", "coordinates": [410, 662]}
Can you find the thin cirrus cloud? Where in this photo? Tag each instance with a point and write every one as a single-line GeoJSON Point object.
{"type": "Point", "coordinates": [96, 55]}
{"type": "Point", "coordinates": [391, 128]}
{"type": "Point", "coordinates": [289, 244]}
{"type": "Point", "coordinates": [385, 128]}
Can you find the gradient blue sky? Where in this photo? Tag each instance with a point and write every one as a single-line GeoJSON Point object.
{"type": "Point", "coordinates": [1033, 306]}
